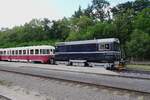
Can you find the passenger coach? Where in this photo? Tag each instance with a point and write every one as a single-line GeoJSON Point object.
{"type": "Point", "coordinates": [43, 54]}
{"type": "Point", "coordinates": [105, 52]}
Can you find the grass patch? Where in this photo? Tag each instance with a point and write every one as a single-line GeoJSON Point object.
{"type": "Point", "coordinates": [139, 67]}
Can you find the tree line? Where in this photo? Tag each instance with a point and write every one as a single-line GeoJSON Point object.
{"type": "Point", "coordinates": [129, 21]}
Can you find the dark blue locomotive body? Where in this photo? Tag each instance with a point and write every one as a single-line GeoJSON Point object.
{"type": "Point", "coordinates": [98, 50]}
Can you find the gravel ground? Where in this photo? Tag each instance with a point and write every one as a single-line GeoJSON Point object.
{"type": "Point", "coordinates": [62, 90]}
{"type": "Point", "coordinates": [3, 98]}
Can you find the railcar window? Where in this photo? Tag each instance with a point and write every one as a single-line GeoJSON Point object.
{"type": "Point", "coordinates": [16, 52]}
{"type": "Point", "coordinates": [31, 51]}
{"type": "Point", "coordinates": [20, 52]}
{"type": "Point", "coordinates": [36, 51]}
{"type": "Point", "coordinates": [48, 51]}
{"type": "Point", "coordinates": [45, 51]}
{"type": "Point", "coordinates": [41, 51]}
{"type": "Point", "coordinates": [24, 52]}
{"type": "Point", "coordinates": [13, 52]}
{"type": "Point", "coordinates": [51, 50]}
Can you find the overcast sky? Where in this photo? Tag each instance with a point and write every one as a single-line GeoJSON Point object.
{"type": "Point", "coordinates": [17, 12]}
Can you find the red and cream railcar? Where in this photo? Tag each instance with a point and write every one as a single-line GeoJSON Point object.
{"type": "Point", "coordinates": [43, 54]}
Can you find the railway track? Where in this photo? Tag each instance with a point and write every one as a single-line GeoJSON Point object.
{"type": "Point", "coordinates": [129, 83]}
{"type": "Point", "coordinates": [136, 71]}
{"type": "Point", "coordinates": [136, 74]}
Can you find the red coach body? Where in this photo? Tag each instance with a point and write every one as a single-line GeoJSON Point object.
{"type": "Point", "coordinates": [43, 54]}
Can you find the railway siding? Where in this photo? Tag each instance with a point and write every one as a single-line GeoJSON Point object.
{"type": "Point", "coordinates": [133, 84]}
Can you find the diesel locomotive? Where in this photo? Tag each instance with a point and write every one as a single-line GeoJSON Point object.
{"type": "Point", "coordinates": [98, 52]}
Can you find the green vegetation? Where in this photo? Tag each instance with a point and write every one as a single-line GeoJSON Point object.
{"type": "Point", "coordinates": [139, 67]}
{"type": "Point", "coordinates": [130, 22]}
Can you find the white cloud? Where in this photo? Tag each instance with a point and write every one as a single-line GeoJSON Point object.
{"type": "Point", "coordinates": [16, 12]}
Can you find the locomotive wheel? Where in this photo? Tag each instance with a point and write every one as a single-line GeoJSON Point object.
{"type": "Point", "coordinates": [70, 63]}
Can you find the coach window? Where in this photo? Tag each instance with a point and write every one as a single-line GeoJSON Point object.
{"type": "Point", "coordinates": [32, 52]}
{"type": "Point", "coordinates": [36, 51]}
{"type": "Point", "coordinates": [24, 52]}
{"type": "Point", "coordinates": [44, 51]}
{"type": "Point", "coordinates": [20, 52]}
{"type": "Point", "coordinates": [41, 51]}
{"type": "Point", "coordinates": [4, 52]}
{"type": "Point", "coordinates": [16, 52]}
{"type": "Point", "coordinates": [51, 50]}
{"type": "Point", "coordinates": [13, 52]}
{"type": "Point", "coordinates": [48, 51]}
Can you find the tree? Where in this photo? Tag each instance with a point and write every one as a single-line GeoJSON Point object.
{"type": "Point", "coordinates": [99, 10]}
{"type": "Point", "coordinates": [138, 47]}
{"type": "Point", "coordinates": [78, 27]}
{"type": "Point", "coordinates": [137, 6]}
{"type": "Point", "coordinates": [88, 12]}
{"type": "Point", "coordinates": [122, 8]}
{"type": "Point", "coordinates": [142, 20]}
{"type": "Point", "coordinates": [123, 26]}
{"type": "Point", "coordinates": [78, 13]}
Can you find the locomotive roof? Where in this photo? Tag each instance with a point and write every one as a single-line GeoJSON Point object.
{"type": "Point", "coordinates": [108, 40]}
{"type": "Point", "coordinates": [31, 47]}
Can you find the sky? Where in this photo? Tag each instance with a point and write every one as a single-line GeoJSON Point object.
{"type": "Point", "coordinates": [17, 12]}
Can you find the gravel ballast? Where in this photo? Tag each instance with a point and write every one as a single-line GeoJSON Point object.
{"type": "Point", "coordinates": [53, 89]}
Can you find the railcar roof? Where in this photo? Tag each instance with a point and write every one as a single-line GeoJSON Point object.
{"type": "Point", "coordinates": [31, 47]}
{"type": "Point", "coordinates": [108, 40]}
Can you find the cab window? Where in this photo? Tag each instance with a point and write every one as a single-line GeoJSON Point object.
{"type": "Point", "coordinates": [104, 46]}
